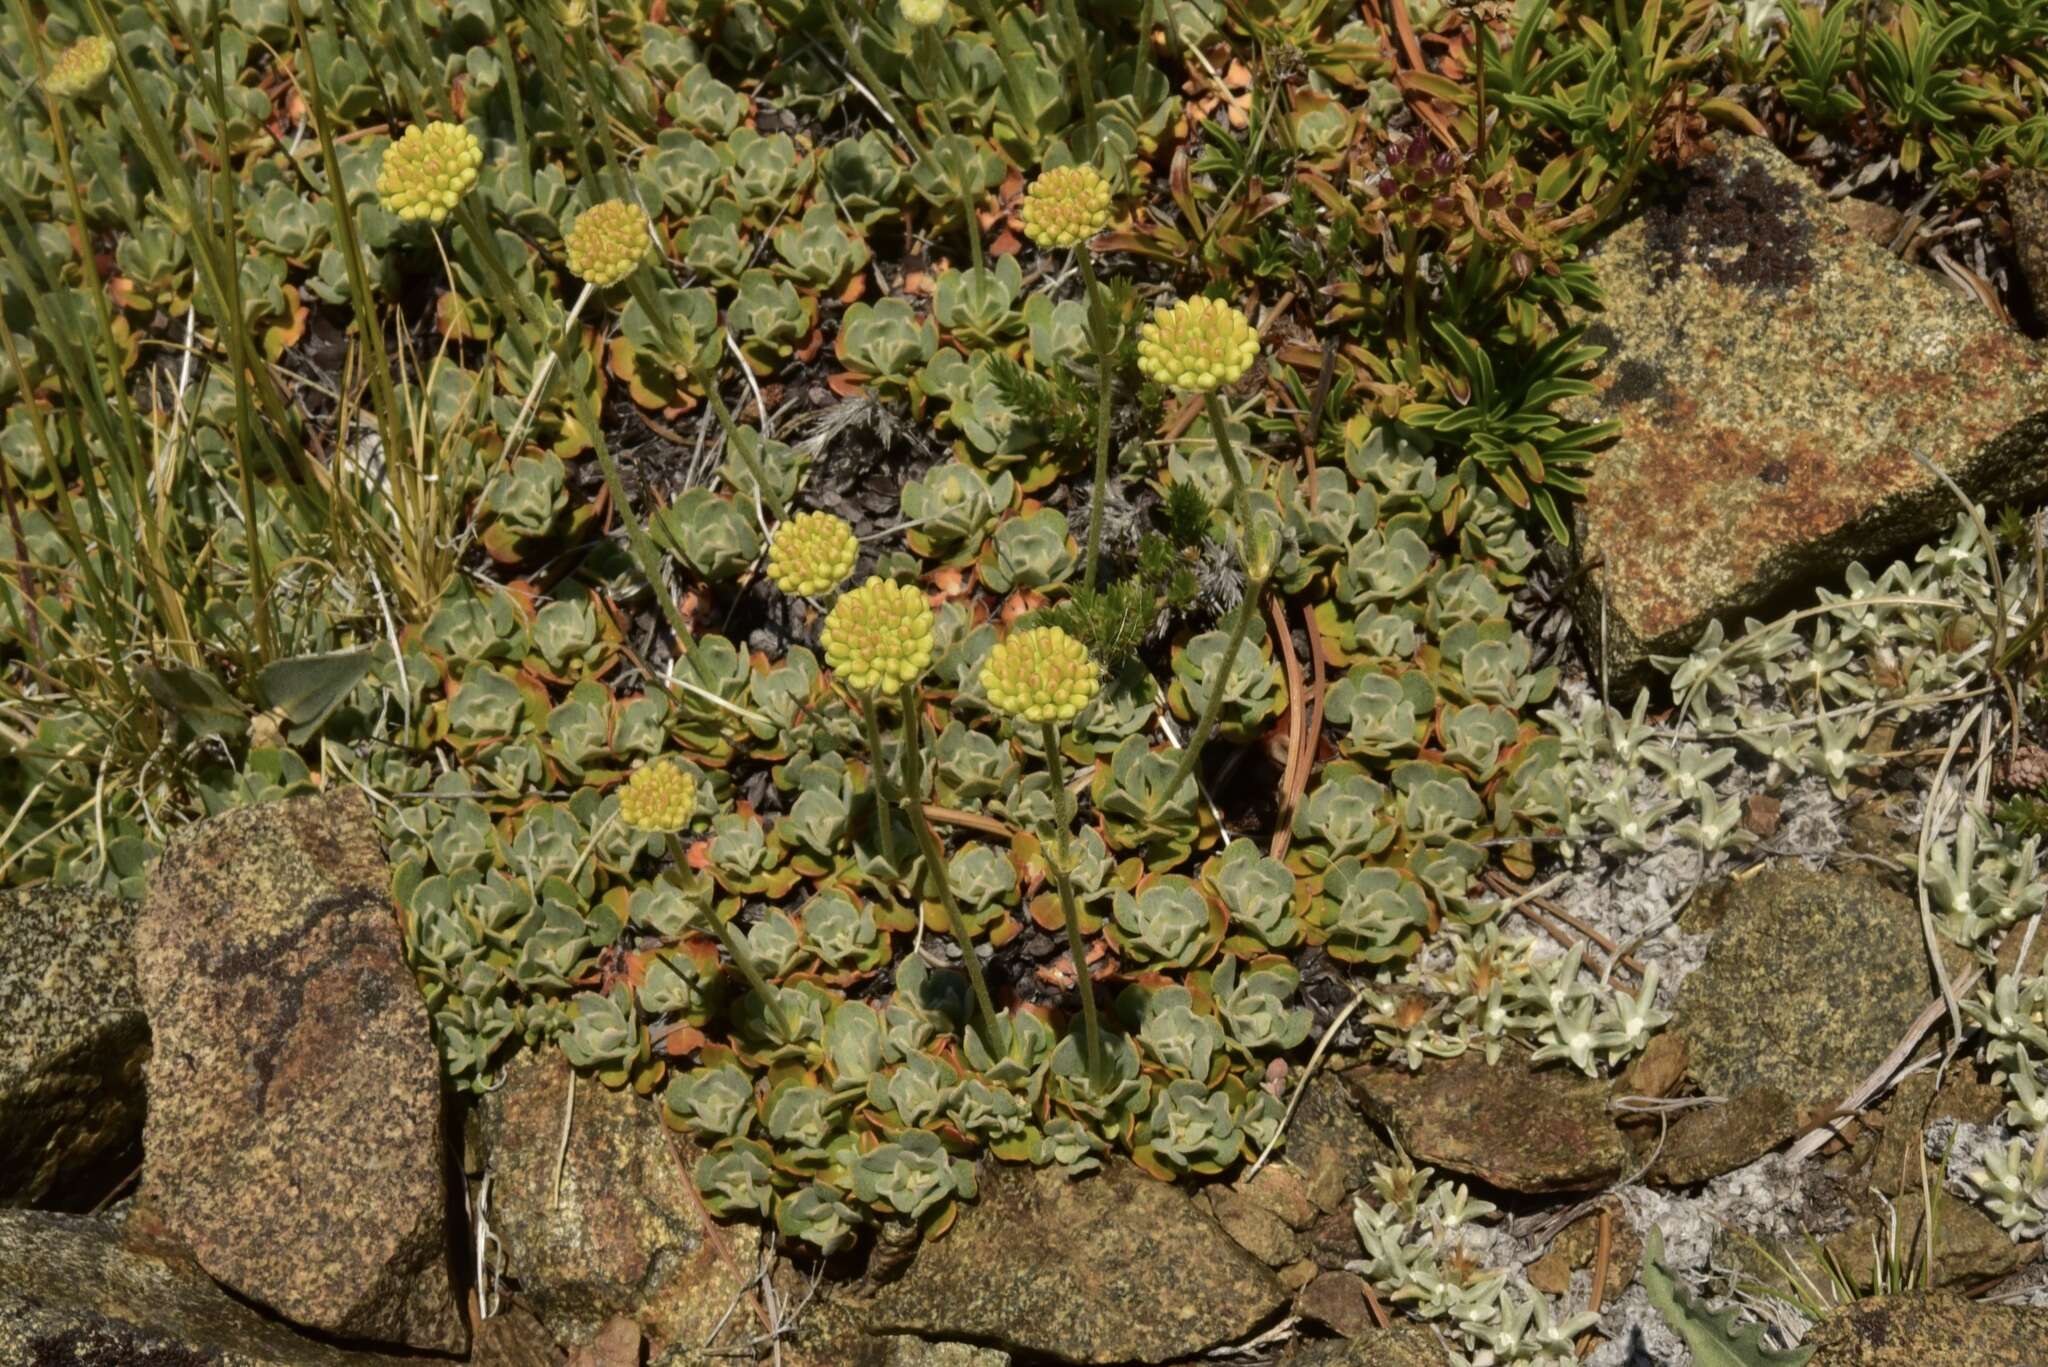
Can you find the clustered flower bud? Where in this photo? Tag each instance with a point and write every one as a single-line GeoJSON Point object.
{"type": "Point", "coordinates": [812, 553]}
{"type": "Point", "coordinates": [1040, 674]}
{"type": "Point", "coordinates": [607, 242]}
{"type": "Point", "coordinates": [661, 796]}
{"type": "Point", "coordinates": [922, 13]}
{"type": "Point", "coordinates": [427, 170]}
{"type": "Point", "coordinates": [80, 68]}
{"type": "Point", "coordinates": [1199, 344]}
{"type": "Point", "coordinates": [1065, 206]}
{"type": "Point", "coordinates": [879, 636]}
{"type": "Point", "coordinates": [1415, 183]}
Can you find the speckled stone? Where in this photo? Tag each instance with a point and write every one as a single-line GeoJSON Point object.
{"type": "Point", "coordinates": [1507, 1124]}
{"type": "Point", "coordinates": [1773, 371]}
{"type": "Point", "coordinates": [625, 1233]}
{"type": "Point", "coordinates": [1810, 980]}
{"type": "Point", "coordinates": [72, 1044]}
{"type": "Point", "coordinates": [832, 1332]}
{"type": "Point", "coordinates": [1403, 1343]}
{"type": "Point", "coordinates": [1934, 1329]}
{"type": "Point", "coordinates": [1111, 1267]}
{"type": "Point", "coordinates": [294, 1139]}
{"type": "Point", "coordinates": [80, 1292]}
{"type": "Point", "coordinates": [2026, 204]}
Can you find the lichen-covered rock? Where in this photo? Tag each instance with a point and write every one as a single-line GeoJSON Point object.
{"type": "Point", "coordinates": [623, 1232]}
{"type": "Point", "coordinates": [80, 1292]}
{"type": "Point", "coordinates": [1507, 1124]}
{"type": "Point", "coordinates": [1808, 983]}
{"type": "Point", "coordinates": [73, 1040]}
{"type": "Point", "coordinates": [1933, 1329]}
{"type": "Point", "coordinates": [294, 1137]}
{"type": "Point", "coordinates": [1113, 1267]}
{"type": "Point", "coordinates": [1403, 1343]}
{"type": "Point", "coordinates": [1773, 372]}
{"type": "Point", "coordinates": [832, 1332]}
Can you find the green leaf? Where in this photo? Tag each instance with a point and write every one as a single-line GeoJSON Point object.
{"type": "Point", "coordinates": [1715, 1338]}
{"type": "Point", "coordinates": [197, 699]}
{"type": "Point", "coordinates": [308, 687]}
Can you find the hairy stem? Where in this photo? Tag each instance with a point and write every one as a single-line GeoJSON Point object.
{"type": "Point", "coordinates": [1098, 326]}
{"type": "Point", "coordinates": [1247, 606]}
{"type": "Point", "coordinates": [935, 869]}
{"type": "Point", "coordinates": [735, 946]}
{"type": "Point", "coordinates": [1062, 863]}
{"type": "Point", "coordinates": [870, 707]}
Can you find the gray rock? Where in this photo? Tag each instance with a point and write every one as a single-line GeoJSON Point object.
{"type": "Point", "coordinates": [1934, 1329]}
{"type": "Point", "coordinates": [73, 1040]}
{"type": "Point", "coordinates": [1809, 982]}
{"type": "Point", "coordinates": [1403, 1343]}
{"type": "Point", "coordinates": [624, 1232]}
{"type": "Point", "coordinates": [1506, 1123]}
{"type": "Point", "coordinates": [80, 1292]}
{"type": "Point", "coordinates": [1774, 372]}
{"type": "Point", "coordinates": [294, 1140]}
{"type": "Point", "coordinates": [1113, 1267]}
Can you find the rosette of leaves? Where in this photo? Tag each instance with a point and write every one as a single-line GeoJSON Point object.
{"type": "Point", "coordinates": [709, 532]}
{"type": "Point", "coordinates": [817, 251]}
{"type": "Point", "coordinates": [770, 318]}
{"type": "Point", "coordinates": [1362, 913]}
{"type": "Point", "coordinates": [713, 1101]}
{"type": "Point", "coordinates": [1166, 922]}
{"type": "Point", "coordinates": [1344, 814]}
{"type": "Point", "coordinates": [885, 346]}
{"type": "Point", "coordinates": [842, 934]}
{"type": "Point", "coordinates": [1253, 691]}
{"type": "Point", "coordinates": [607, 1037]}
{"type": "Point", "coordinates": [1179, 1033]}
{"type": "Point", "coordinates": [1380, 716]}
{"type": "Point", "coordinates": [1029, 551]}
{"type": "Point", "coordinates": [952, 509]}
{"type": "Point", "coordinates": [1139, 813]}
{"type": "Point", "coordinates": [977, 307]}
{"type": "Point", "coordinates": [1254, 1002]}
{"type": "Point", "coordinates": [1191, 1128]}
{"type": "Point", "coordinates": [913, 1177]}
{"type": "Point", "coordinates": [984, 882]}
{"type": "Point", "coordinates": [1257, 893]}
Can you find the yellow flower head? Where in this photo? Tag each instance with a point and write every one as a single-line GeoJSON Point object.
{"type": "Point", "coordinates": [1198, 344]}
{"type": "Point", "coordinates": [879, 636]}
{"type": "Point", "coordinates": [426, 171]}
{"type": "Point", "coordinates": [607, 242]}
{"type": "Point", "coordinates": [661, 796]}
{"type": "Point", "coordinates": [922, 13]}
{"type": "Point", "coordinates": [1065, 206]}
{"type": "Point", "coordinates": [811, 553]}
{"type": "Point", "coordinates": [80, 68]}
{"type": "Point", "coordinates": [1041, 674]}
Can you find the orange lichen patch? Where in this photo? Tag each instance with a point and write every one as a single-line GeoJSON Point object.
{"type": "Point", "coordinates": [1777, 379]}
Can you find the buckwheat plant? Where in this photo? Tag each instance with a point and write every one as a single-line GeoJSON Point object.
{"type": "Point", "coordinates": [1062, 210]}
{"type": "Point", "coordinates": [607, 242]}
{"type": "Point", "coordinates": [1201, 345]}
{"type": "Point", "coordinates": [428, 170]}
{"type": "Point", "coordinates": [878, 639]}
{"type": "Point", "coordinates": [811, 553]}
{"type": "Point", "coordinates": [659, 798]}
{"type": "Point", "coordinates": [1042, 675]}
{"type": "Point", "coordinates": [80, 69]}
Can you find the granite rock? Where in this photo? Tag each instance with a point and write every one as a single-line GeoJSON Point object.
{"type": "Point", "coordinates": [73, 1041]}
{"type": "Point", "coordinates": [295, 1140]}
{"type": "Point", "coordinates": [1809, 982]}
{"type": "Point", "coordinates": [1774, 373]}
{"type": "Point", "coordinates": [1112, 1267]}
{"type": "Point", "coordinates": [1507, 1124]}
{"type": "Point", "coordinates": [1932, 1329]}
{"type": "Point", "coordinates": [622, 1231]}
{"type": "Point", "coordinates": [84, 1292]}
